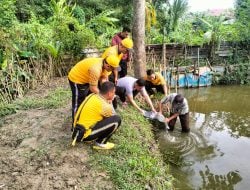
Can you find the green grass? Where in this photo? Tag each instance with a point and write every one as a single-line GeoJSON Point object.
{"type": "Point", "coordinates": [135, 163]}
{"type": "Point", "coordinates": [53, 100]}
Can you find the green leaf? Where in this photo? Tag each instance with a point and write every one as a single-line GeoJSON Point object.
{"type": "Point", "coordinates": [26, 54]}
{"type": "Point", "coordinates": [4, 64]}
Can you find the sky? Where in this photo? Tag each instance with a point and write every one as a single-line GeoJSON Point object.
{"type": "Point", "coordinates": [203, 5]}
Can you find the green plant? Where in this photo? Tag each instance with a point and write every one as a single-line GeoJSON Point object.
{"type": "Point", "coordinates": [235, 74]}
{"type": "Point", "coordinates": [7, 13]}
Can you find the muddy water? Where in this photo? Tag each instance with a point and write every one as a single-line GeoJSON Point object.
{"type": "Point", "coordinates": [216, 153]}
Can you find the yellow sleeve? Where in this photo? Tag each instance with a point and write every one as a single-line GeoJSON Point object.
{"type": "Point", "coordinates": [94, 75]}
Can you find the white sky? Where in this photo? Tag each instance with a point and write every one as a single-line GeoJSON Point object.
{"type": "Point", "coordinates": [203, 5]}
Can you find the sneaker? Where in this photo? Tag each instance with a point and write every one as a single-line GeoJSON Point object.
{"type": "Point", "coordinates": [100, 146]}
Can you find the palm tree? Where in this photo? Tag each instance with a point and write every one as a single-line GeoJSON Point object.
{"type": "Point", "coordinates": [138, 38]}
{"type": "Point", "coordinates": [174, 12]}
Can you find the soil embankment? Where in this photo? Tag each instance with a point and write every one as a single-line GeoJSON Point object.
{"type": "Point", "coordinates": [35, 150]}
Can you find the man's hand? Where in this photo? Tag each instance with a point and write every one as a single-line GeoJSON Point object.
{"type": "Point", "coordinates": [167, 120]}
{"type": "Point", "coordinates": [153, 110]}
{"type": "Point", "coordinates": [142, 111]}
{"type": "Point", "coordinates": [124, 104]}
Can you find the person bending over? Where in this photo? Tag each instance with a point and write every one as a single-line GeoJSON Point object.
{"type": "Point", "coordinates": [132, 87]}
{"type": "Point", "coordinates": [178, 108]}
{"type": "Point", "coordinates": [85, 76]}
{"type": "Point", "coordinates": [157, 81]}
{"type": "Point", "coordinates": [120, 50]}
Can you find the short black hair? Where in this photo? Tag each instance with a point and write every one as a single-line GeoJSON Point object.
{"type": "Point", "coordinates": [150, 72]}
{"type": "Point", "coordinates": [178, 99]}
{"type": "Point", "coordinates": [106, 87]}
{"type": "Point", "coordinates": [126, 29]}
{"type": "Point", "coordinates": [140, 82]}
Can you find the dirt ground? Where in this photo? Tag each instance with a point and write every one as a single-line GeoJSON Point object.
{"type": "Point", "coordinates": [35, 150]}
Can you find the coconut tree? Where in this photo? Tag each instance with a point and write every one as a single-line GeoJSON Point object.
{"type": "Point", "coordinates": [138, 38]}
{"type": "Point", "coordinates": [170, 13]}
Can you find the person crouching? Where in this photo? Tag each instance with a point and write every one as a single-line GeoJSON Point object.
{"type": "Point", "coordinates": [96, 119]}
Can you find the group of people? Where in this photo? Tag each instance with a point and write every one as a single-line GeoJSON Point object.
{"type": "Point", "coordinates": [96, 84]}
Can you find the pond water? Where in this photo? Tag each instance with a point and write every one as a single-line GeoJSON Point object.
{"type": "Point", "coordinates": [216, 153]}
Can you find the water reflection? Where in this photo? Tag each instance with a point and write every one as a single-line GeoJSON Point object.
{"type": "Point", "coordinates": [213, 181]}
{"type": "Point", "coordinates": [215, 154]}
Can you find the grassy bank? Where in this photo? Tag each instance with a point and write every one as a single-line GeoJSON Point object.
{"type": "Point", "coordinates": [135, 163]}
{"type": "Point", "coordinates": [53, 100]}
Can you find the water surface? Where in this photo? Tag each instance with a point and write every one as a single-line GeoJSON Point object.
{"type": "Point", "coordinates": [216, 153]}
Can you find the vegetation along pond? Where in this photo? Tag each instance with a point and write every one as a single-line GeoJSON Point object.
{"type": "Point", "coordinates": [216, 153]}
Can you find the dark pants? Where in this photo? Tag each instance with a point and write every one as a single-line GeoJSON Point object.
{"type": "Point", "coordinates": [121, 73]}
{"type": "Point", "coordinates": [149, 85]}
{"type": "Point", "coordinates": [102, 131]}
{"type": "Point", "coordinates": [79, 93]}
{"type": "Point", "coordinates": [124, 69]}
{"type": "Point", "coordinates": [121, 92]}
{"type": "Point", "coordinates": [184, 119]}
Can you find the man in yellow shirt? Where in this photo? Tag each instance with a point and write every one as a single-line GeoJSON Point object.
{"type": "Point", "coordinates": [95, 119]}
{"type": "Point", "coordinates": [85, 75]}
{"type": "Point", "coordinates": [120, 50]}
{"type": "Point", "coordinates": [157, 81]}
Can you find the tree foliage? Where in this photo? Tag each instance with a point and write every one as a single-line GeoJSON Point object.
{"type": "Point", "coordinates": [7, 13]}
{"type": "Point", "coordinates": [242, 14]}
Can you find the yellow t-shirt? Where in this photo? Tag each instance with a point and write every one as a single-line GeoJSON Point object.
{"type": "Point", "coordinates": [113, 50]}
{"type": "Point", "coordinates": [93, 109]}
{"type": "Point", "coordinates": [87, 71]}
{"type": "Point", "coordinates": [159, 79]}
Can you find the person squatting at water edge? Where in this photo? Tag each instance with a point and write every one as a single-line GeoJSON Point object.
{"type": "Point", "coordinates": [85, 76]}
{"type": "Point", "coordinates": [132, 87]}
{"type": "Point", "coordinates": [96, 119]}
{"type": "Point", "coordinates": [178, 107]}
{"type": "Point", "coordinates": [155, 80]}
{"type": "Point", "coordinates": [119, 50]}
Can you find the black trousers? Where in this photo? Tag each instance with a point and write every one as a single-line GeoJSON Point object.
{"type": "Point", "coordinates": [79, 93]}
{"type": "Point", "coordinates": [104, 129]}
{"type": "Point", "coordinates": [184, 119]}
{"type": "Point", "coordinates": [124, 69]}
{"type": "Point", "coordinates": [149, 85]}
{"type": "Point", "coordinates": [122, 73]}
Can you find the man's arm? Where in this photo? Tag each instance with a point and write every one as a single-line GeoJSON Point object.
{"type": "Point", "coordinates": [172, 117]}
{"type": "Point", "coordinates": [164, 100]}
{"type": "Point", "coordinates": [148, 100]}
{"type": "Point", "coordinates": [165, 89]}
{"type": "Point", "coordinates": [131, 100]}
{"type": "Point", "coordinates": [115, 75]}
{"type": "Point", "coordinates": [94, 89]}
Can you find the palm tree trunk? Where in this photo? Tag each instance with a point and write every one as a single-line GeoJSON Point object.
{"type": "Point", "coordinates": [138, 38]}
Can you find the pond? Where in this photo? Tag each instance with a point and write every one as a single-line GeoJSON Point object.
{"type": "Point", "coordinates": [216, 153]}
